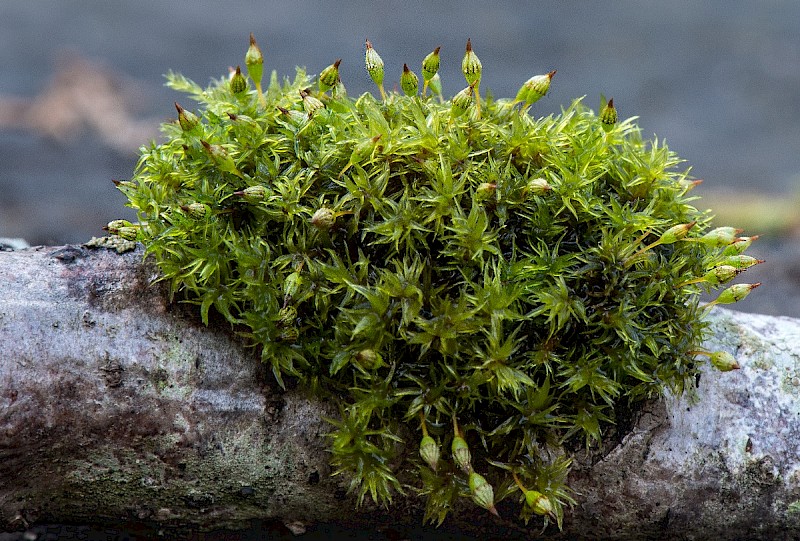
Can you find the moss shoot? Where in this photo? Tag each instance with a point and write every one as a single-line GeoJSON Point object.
{"type": "Point", "coordinates": [460, 277]}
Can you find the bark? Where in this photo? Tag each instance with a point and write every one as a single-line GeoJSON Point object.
{"type": "Point", "coordinates": [116, 405]}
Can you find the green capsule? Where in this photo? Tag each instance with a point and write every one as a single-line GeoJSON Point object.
{"type": "Point", "coordinates": [253, 193]}
{"type": "Point", "coordinates": [188, 120]}
{"type": "Point", "coordinates": [429, 451]}
{"type": "Point", "coordinates": [537, 186]}
{"type": "Point", "coordinates": [723, 361]}
{"type": "Point", "coordinates": [287, 316]}
{"type": "Point", "coordinates": [739, 245]}
{"type": "Point", "coordinates": [735, 293]}
{"type": "Point", "coordinates": [254, 61]}
{"type": "Point", "coordinates": [324, 219]}
{"type": "Point", "coordinates": [485, 190]}
{"type": "Point", "coordinates": [462, 102]}
{"type": "Point", "coordinates": [608, 115]}
{"type": "Point", "coordinates": [198, 211]}
{"type": "Point", "coordinates": [461, 454]}
{"type": "Point", "coordinates": [720, 275]}
{"type": "Point", "coordinates": [238, 82]}
{"type": "Point", "coordinates": [329, 77]}
{"type": "Point", "coordinates": [310, 104]}
{"type": "Point", "coordinates": [374, 64]}
{"type": "Point", "coordinates": [534, 89]}
{"type": "Point", "coordinates": [540, 503]}
{"type": "Point", "coordinates": [741, 261]}
{"type": "Point", "coordinates": [675, 233]}
{"type": "Point", "coordinates": [471, 66]}
{"type": "Point", "coordinates": [430, 67]}
{"type": "Point", "coordinates": [482, 492]}
{"type": "Point", "coordinates": [409, 81]}
{"type": "Point", "coordinates": [721, 236]}
{"type": "Point", "coordinates": [369, 359]}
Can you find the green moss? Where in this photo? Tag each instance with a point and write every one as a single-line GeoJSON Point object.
{"type": "Point", "coordinates": [460, 270]}
{"type": "Point", "coordinates": [114, 242]}
{"type": "Point", "coordinates": [160, 379]}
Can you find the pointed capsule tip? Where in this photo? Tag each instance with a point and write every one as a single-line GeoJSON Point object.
{"type": "Point", "coordinates": [252, 39]}
{"type": "Point", "coordinates": [610, 103]}
{"type": "Point", "coordinates": [405, 68]}
{"type": "Point", "coordinates": [338, 61]}
{"type": "Point", "coordinates": [436, 50]}
{"type": "Point", "coordinates": [551, 73]}
{"type": "Point", "coordinates": [469, 44]}
{"type": "Point", "coordinates": [368, 44]}
{"type": "Point", "coordinates": [178, 107]}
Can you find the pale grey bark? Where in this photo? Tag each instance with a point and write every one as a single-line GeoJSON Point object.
{"type": "Point", "coordinates": [117, 406]}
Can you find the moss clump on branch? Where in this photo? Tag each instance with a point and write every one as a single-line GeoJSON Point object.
{"type": "Point", "coordinates": [458, 275]}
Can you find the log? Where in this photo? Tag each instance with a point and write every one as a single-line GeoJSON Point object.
{"type": "Point", "coordinates": [117, 406]}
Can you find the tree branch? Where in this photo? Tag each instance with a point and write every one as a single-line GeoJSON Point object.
{"type": "Point", "coordinates": [116, 405]}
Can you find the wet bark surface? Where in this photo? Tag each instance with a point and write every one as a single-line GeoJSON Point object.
{"type": "Point", "coordinates": [119, 407]}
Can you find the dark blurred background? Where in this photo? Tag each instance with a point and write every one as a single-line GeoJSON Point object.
{"type": "Point", "coordinates": [81, 88]}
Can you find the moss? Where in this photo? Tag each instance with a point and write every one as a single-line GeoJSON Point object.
{"type": "Point", "coordinates": [160, 379]}
{"type": "Point", "coordinates": [498, 282]}
{"type": "Point", "coordinates": [113, 242]}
